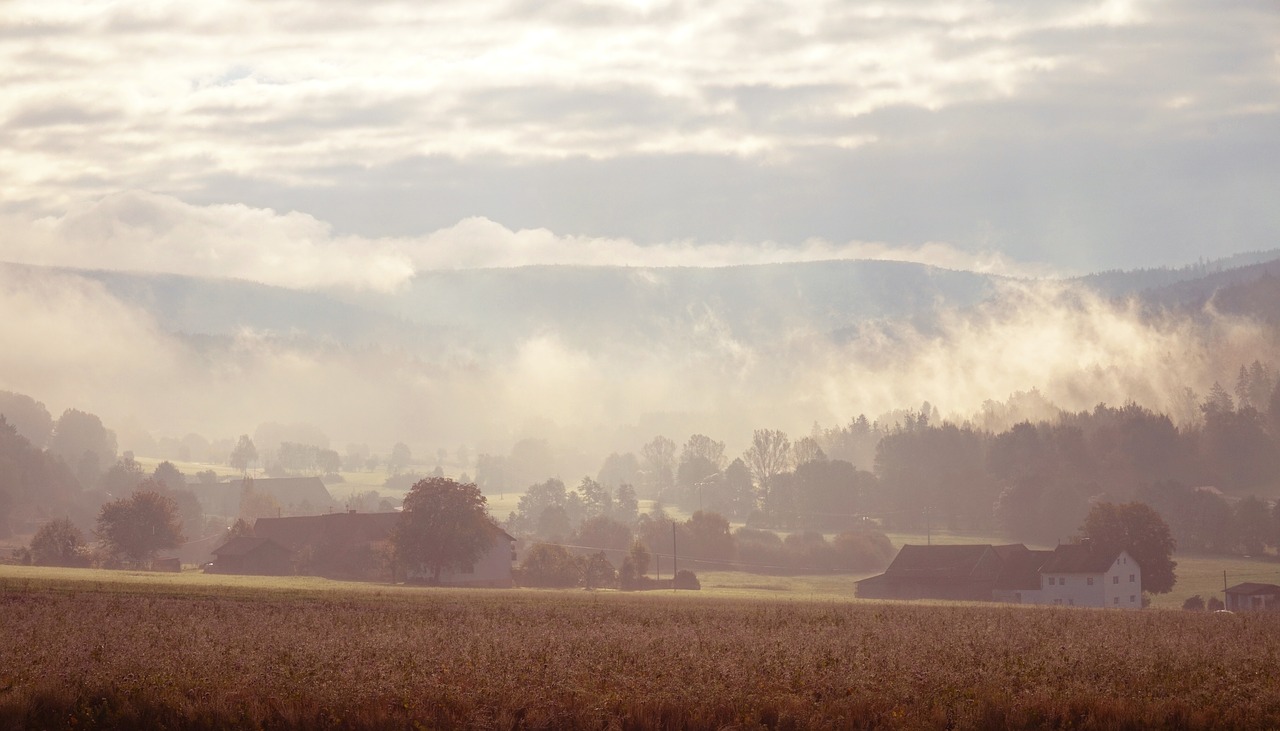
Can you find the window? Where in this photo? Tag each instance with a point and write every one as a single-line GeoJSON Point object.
{"type": "Point", "coordinates": [1089, 581]}
{"type": "Point", "coordinates": [1072, 602]}
{"type": "Point", "coordinates": [1116, 600]}
{"type": "Point", "coordinates": [1052, 581]}
{"type": "Point", "coordinates": [1132, 598]}
{"type": "Point", "coordinates": [1115, 579]}
{"type": "Point", "coordinates": [1130, 578]}
{"type": "Point", "coordinates": [1062, 581]}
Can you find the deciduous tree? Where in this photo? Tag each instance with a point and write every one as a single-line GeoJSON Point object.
{"type": "Point", "coordinates": [138, 526]}
{"type": "Point", "coordinates": [444, 525]}
{"type": "Point", "coordinates": [244, 454]}
{"type": "Point", "coordinates": [1138, 529]}
{"type": "Point", "coordinates": [58, 543]}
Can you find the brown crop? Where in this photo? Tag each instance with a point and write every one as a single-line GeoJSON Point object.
{"type": "Point", "coordinates": [533, 659]}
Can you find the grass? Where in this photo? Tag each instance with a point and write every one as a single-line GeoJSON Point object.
{"type": "Point", "coordinates": [99, 650]}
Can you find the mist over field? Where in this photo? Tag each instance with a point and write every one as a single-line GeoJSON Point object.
{"type": "Point", "coordinates": [384, 347]}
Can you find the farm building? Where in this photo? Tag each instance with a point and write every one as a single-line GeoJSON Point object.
{"type": "Point", "coordinates": [1250, 596]}
{"type": "Point", "coordinates": [1079, 575]}
{"type": "Point", "coordinates": [250, 555]}
{"type": "Point", "coordinates": [1072, 575]}
{"type": "Point", "coordinates": [347, 545]}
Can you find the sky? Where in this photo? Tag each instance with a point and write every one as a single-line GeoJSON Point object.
{"type": "Point", "coordinates": [346, 143]}
{"type": "Point", "coordinates": [348, 146]}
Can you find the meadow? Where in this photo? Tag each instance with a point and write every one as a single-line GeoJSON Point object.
{"type": "Point", "coordinates": [91, 649]}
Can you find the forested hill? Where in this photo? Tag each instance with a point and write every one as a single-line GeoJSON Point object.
{"type": "Point", "coordinates": [588, 304]}
{"type": "Point", "coordinates": [581, 304]}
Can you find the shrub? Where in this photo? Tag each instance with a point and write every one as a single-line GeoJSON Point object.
{"type": "Point", "coordinates": [58, 543]}
{"type": "Point", "coordinates": [549, 566]}
{"type": "Point", "coordinates": [1194, 604]}
{"type": "Point", "coordinates": [1214, 604]}
{"type": "Point", "coordinates": [686, 579]}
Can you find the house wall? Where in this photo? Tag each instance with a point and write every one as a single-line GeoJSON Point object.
{"type": "Point", "coordinates": [1119, 587]}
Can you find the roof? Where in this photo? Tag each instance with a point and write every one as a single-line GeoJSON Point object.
{"type": "Point", "coordinates": [348, 528]}
{"type": "Point", "coordinates": [244, 545]}
{"type": "Point", "coordinates": [1079, 558]}
{"type": "Point", "coordinates": [1021, 569]}
{"type": "Point", "coordinates": [1250, 588]}
{"type": "Point", "coordinates": [944, 563]}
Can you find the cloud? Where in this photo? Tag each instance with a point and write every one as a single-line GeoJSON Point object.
{"type": "Point", "coordinates": [144, 232]}
{"type": "Point", "coordinates": [711, 121]}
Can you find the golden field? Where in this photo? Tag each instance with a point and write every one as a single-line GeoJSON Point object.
{"type": "Point", "coordinates": [93, 649]}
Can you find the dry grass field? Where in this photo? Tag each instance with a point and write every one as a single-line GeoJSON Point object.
{"type": "Point", "coordinates": [83, 650]}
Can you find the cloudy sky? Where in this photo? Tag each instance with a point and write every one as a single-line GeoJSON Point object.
{"type": "Point", "coordinates": [333, 141]}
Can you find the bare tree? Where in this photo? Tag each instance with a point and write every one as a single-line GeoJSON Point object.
{"type": "Point", "coordinates": [659, 460]}
{"type": "Point", "coordinates": [768, 457]}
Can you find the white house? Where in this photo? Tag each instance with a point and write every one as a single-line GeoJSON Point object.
{"type": "Point", "coordinates": [1080, 575]}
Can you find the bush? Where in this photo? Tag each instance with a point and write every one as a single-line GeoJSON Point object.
{"type": "Point", "coordinates": [1214, 604]}
{"type": "Point", "coordinates": [598, 573]}
{"type": "Point", "coordinates": [1194, 604]}
{"type": "Point", "coordinates": [58, 543]}
{"type": "Point", "coordinates": [549, 566]}
{"type": "Point", "coordinates": [686, 579]}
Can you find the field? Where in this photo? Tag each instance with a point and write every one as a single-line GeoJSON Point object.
{"type": "Point", "coordinates": [112, 650]}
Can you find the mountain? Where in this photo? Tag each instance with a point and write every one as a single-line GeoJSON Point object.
{"type": "Point", "coordinates": [493, 307]}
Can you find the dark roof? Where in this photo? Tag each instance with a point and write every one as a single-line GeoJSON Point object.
{"type": "Point", "coordinates": [1079, 558]}
{"type": "Point", "coordinates": [347, 528]}
{"type": "Point", "coordinates": [1250, 588]}
{"type": "Point", "coordinates": [334, 528]}
{"type": "Point", "coordinates": [1021, 568]}
{"type": "Point", "coordinates": [944, 563]}
{"type": "Point", "coordinates": [244, 545]}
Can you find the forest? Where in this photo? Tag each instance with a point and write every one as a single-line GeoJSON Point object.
{"type": "Point", "coordinates": [816, 503]}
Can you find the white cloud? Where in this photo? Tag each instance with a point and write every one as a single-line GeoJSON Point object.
{"type": "Point", "coordinates": [145, 232]}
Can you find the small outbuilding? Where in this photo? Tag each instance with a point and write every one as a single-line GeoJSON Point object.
{"type": "Point", "coordinates": [1250, 597]}
{"type": "Point", "coordinates": [254, 556]}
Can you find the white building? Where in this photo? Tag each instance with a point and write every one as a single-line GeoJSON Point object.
{"type": "Point", "coordinates": [1082, 576]}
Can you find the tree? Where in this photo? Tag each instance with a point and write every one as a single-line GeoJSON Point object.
{"type": "Point", "coordinates": [123, 477]}
{"type": "Point", "coordinates": [169, 476]}
{"type": "Point", "coordinates": [550, 566]}
{"type": "Point", "coordinates": [598, 572]}
{"type": "Point", "coordinates": [400, 458]}
{"type": "Point", "coordinates": [244, 454]}
{"type": "Point", "coordinates": [1138, 529]}
{"type": "Point", "coordinates": [83, 443]}
{"type": "Point", "coordinates": [58, 543]}
{"type": "Point", "coordinates": [138, 526]}
{"type": "Point", "coordinates": [658, 459]}
{"type": "Point", "coordinates": [1194, 603]}
{"type": "Point", "coordinates": [768, 457]}
{"type": "Point", "coordinates": [444, 525]}
{"type": "Point", "coordinates": [596, 498]}
{"type": "Point", "coordinates": [28, 416]}
{"type": "Point", "coordinates": [626, 505]}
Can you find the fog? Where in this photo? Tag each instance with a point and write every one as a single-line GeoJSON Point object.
{"type": "Point", "coordinates": [72, 343]}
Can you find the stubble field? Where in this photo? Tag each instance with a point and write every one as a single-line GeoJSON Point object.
{"type": "Point", "coordinates": [79, 653]}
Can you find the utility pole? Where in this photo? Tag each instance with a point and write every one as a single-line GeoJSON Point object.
{"type": "Point", "coordinates": [673, 555]}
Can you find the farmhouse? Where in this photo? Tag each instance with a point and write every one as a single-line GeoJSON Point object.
{"type": "Point", "coordinates": [255, 556]}
{"type": "Point", "coordinates": [1250, 596]}
{"type": "Point", "coordinates": [1070, 575]}
{"type": "Point", "coordinates": [346, 545]}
